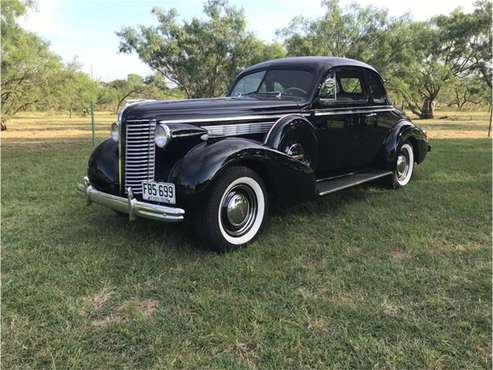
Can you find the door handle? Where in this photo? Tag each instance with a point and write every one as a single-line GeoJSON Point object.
{"type": "Point", "coordinates": [371, 114]}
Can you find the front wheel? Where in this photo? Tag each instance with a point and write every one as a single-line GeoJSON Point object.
{"type": "Point", "coordinates": [234, 211]}
{"type": "Point", "coordinates": [404, 166]}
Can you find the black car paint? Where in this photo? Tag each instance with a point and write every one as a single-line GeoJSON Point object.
{"type": "Point", "coordinates": [349, 136]}
{"type": "Point", "coordinates": [203, 164]}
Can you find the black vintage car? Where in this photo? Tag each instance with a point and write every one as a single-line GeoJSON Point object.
{"type": "Point", "coordinates": [289, 130]}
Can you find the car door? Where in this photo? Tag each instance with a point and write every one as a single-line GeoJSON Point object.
{"type": "Point", "coordinates": [376, 122]}
{"type": "Point", "coordinates": [338, 118]}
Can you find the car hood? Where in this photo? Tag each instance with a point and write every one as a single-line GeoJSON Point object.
{"type": "Point", "coordinates": [204, 109]}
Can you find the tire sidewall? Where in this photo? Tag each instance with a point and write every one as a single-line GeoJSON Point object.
{"type": "Point", "coordinates": [208, 223]}
{"type": "Point", "coordinates": [410, 150]}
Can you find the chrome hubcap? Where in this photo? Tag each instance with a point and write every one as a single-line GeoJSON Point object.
{"type": "Point", "coordinates": [296, 151]}
{"type": "Point", "coordinates": [238, 210]}
{"type": "Point", "coordinates": [402, 165]}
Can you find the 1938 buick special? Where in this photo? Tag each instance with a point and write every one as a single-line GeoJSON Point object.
{"type": "Point", "coordinates": [289, 130]}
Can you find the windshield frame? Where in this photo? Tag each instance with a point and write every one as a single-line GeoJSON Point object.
{"type": "Point", "coordinates": [277, 97]}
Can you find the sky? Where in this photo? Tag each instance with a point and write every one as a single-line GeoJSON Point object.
{"type": "Point", "coordinates": [86, 28]}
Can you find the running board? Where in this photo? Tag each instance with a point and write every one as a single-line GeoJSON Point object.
{"type": "Point", "coordinates": [338, 183]}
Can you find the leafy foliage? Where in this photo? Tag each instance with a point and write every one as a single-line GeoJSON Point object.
{"type": "Point", "coordinates": [447, 58]}
{"type": "Point", "coordinates": [417, 59]}
{"type": "Point", "coordinates": [200, 56]}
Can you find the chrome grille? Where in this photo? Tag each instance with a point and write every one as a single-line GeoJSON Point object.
{"type": "Point", "coordinates": [140, 152]}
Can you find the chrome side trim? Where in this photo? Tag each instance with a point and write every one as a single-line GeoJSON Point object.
{"type": "Point", "coordinates": [334, 112]}
{"type": "Point", "coordinates": [130, 205]}
{"type": "Point", "coordinates": [225, 119]}
{"type": "Point", "coordinates": [186, 134]}
{"type": "Point", "coordinates": [238, 129]}
{"type": "Point", "coordinates": [357, 107]}
{"type": "Point", "coordinates": [267, 116]}
{"type": "Point", "coordinates": [343, 110]}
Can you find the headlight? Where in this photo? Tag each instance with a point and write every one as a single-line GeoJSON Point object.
{"type": "Point", "coordinates": [162, 135]}
{"type": "Point", "coordinates": [115, 131]}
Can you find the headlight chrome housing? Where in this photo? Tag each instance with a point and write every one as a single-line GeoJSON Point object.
{"type": "Point", "coordinates": [115, 131]}
{"type": "Point", "coordinates": [162, 135]}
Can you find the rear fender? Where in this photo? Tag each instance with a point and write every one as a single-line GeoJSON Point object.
{"type": "Point", "coordinates": [401, 132]}
{"type": "Point", "coordinates": [287, 179]}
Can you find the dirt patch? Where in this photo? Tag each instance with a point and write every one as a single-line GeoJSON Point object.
{"type": "Point", "coordinates": [145, 307]}
{"type": "Point", "coordinates": [399, 256]}
{"type": "Point", "coordinates": [389, 308]}
{"type": "Point", "coordinates": [96, 301]}
{"type": "Point", "coordinates": [128, 311]}
{"type": "Point", "coordinates": [353, 252]}
{"type": "Point", "coordinates": [246, 353]}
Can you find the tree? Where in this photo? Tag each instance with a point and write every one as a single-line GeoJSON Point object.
{"type": "Point", "coordinates": [199, 56]}
{"type": "Point", "coordinates": [29, 71]}
{"type": "Point", "coordinates": [363, 33]}
{"type": "Point", "coordinates": [481, 45]}
{"type": "Point", "coordinates": [122, 89]}
{"type": "Point", "coordinates": [29, 68]}
{"type": "Point", "coordinates": [417, 59]}
{"type": "Point", "coordinates": [463, 92]}
{"type": "Point", "coordinates": [32, 75]}
{"type": "Point", "coordinates": [449, 51]}
{"type": "Point", "coordinates": [75, 90]}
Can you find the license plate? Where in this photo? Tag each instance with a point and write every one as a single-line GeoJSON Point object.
{"type": "Point", "coordinates": [159, 191]}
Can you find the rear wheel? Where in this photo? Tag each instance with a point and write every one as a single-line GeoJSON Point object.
{"type": "Point", "coordinates": [404, 166]}
{"type": "Point", "coordinates": [234, 211]}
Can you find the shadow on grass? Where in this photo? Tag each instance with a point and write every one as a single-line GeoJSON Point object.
{"type": "Point", "coordinates": [143, 233]}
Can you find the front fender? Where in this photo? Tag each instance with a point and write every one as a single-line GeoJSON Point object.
{"type": "Point", "coordinates": [287, 180]}
{"type": "Point", "coordinates": [401, 132]}
{"type": "Point", "coordinates": [102, 168]}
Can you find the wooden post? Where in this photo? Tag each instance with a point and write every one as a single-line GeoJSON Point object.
{"type": "Point", "coordinates": [93, 125]}
{"type": "Point", "coordinates": [489, 127]}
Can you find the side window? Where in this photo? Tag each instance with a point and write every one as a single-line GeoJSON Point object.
{"type": "Point", "coordinates": [351, 86]}
{"type": "Point", "coordinates": [248, 84]}
{"type": "Point", "coordinates": [376, 88]}
{"type": "Point", "coordinates": [344, 86]}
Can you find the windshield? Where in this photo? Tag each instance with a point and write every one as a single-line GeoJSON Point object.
{"type": "Point", "coordinates": [277, 83]}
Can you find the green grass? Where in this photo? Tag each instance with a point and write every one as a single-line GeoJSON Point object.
{"type": "Point", "coordinates": [364, 278]}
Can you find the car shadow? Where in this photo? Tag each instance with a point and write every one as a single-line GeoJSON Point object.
{"type": "Point", "coordinates": [179, 237]}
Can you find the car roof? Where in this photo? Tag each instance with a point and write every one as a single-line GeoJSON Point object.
{"type": "Point", "coordinates": [317, 63]}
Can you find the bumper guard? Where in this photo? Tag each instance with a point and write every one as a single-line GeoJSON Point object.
{"type": "Point", "coordinates": [130, 205]}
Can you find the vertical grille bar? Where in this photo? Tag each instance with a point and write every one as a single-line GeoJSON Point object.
{"type": "Point", "coordinates": [140, 152]}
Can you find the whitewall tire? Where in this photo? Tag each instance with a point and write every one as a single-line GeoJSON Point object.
{"type": "Point", "coordinates": [404, 166]}
{"type": "Point", "coordinates": [235, 210]}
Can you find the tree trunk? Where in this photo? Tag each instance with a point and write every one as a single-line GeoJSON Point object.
{"type": "Point", "coordinates": [70, 113]}
{"type": "Point", "coordinates": [426, 109]}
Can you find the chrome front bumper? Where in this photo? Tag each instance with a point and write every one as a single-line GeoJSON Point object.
{"type": "Point", "coordinates": [130, 205]}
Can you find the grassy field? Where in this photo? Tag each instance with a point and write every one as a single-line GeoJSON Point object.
{"type": "Point", "coordinates": [364, 278]}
